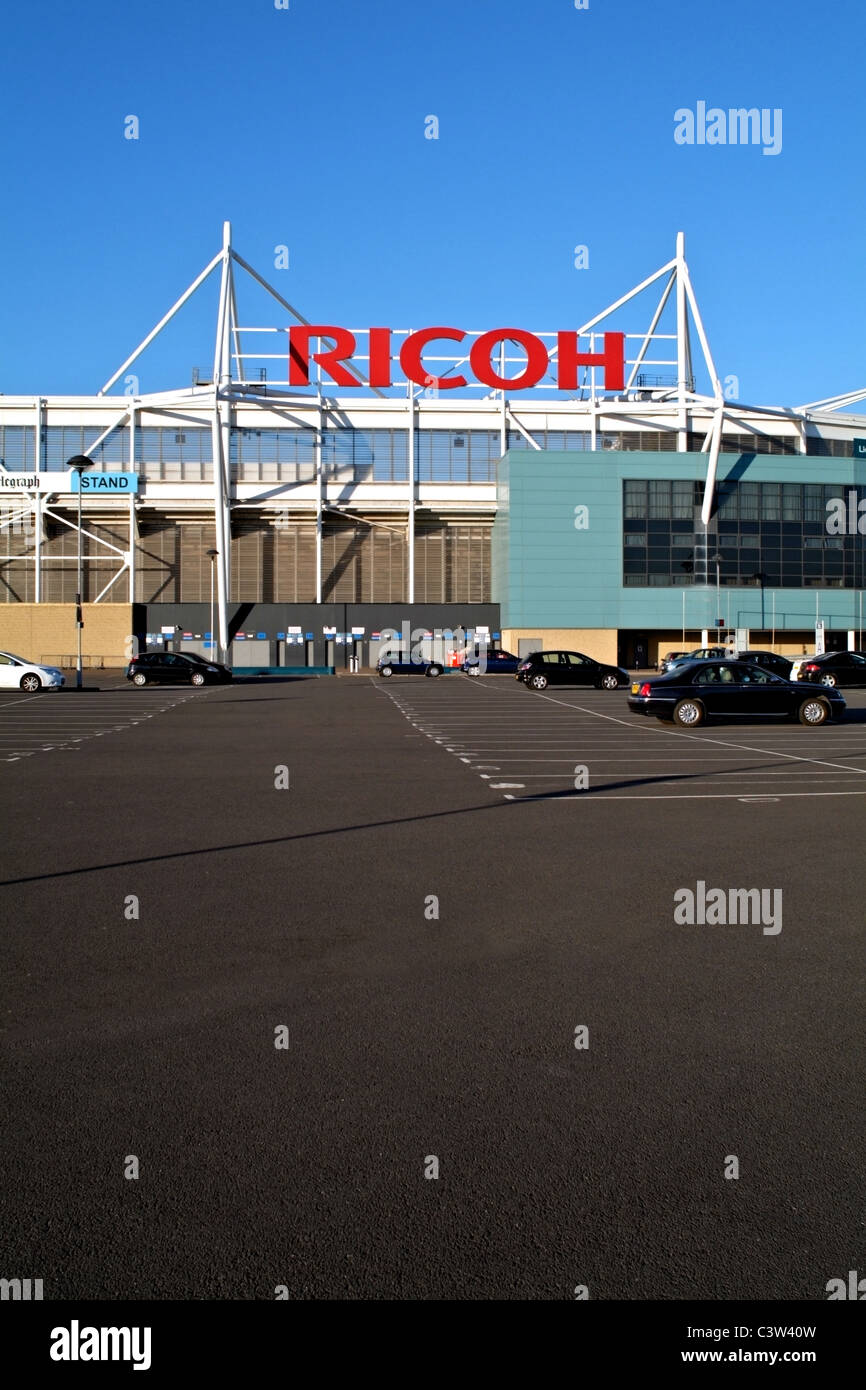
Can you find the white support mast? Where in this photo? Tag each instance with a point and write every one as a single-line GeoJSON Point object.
{"type": "Point", "coordinates": [410, 475]}
{"type": "Point", "coordinates": [220, 435]}
{"type": "Point", "coordinates": [682, 348]}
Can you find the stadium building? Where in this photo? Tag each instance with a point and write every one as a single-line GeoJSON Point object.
{"type": "Point", "coordinates": [598, 487]}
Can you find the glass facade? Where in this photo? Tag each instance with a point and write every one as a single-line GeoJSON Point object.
{"type": "Point", "coordinates": [772, 534]}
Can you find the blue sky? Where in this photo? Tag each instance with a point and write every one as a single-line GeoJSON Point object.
{"type": "Point", "coordinates": [305, 127]}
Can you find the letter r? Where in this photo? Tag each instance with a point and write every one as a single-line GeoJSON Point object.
{"type": "Point", "coordinates": [330, 358]}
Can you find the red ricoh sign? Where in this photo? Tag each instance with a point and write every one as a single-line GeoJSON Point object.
{"type": "Point", "coordinates": [568, 359]}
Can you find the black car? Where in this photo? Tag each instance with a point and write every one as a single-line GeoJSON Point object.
{"type": "Point", "coordinates": [689, 694]}
{"type": "Point", "coordinates": [833, 668]}
{"type": "Point", "coordinates": [399, 666]}
{"type": "Point", "coordinates": [768, 661]}
{"type": "Point", "coordinates": [506, 663]}
{"type": "Point", "coordinates": [176, 668]}
{"type": "Point", "coordinates": [542, 669]}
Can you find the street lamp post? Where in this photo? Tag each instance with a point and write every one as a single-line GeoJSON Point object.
{"type": "Point", "coordinates": [213, 554]}
{"type": "Point", "coordinates": [78, 465]}
{"type": "Point", "coordinates": [717, 557]}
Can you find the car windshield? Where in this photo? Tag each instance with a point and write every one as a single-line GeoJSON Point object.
{"type": "Point", "coordinates": [12, 657]}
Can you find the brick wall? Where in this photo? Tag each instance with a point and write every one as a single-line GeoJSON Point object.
{"type": "Point", "coordinates": [46, 632]}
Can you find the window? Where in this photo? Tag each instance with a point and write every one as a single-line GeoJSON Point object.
{"type": "Point", "coordinates": [771, 502]}
{"type": "Point", "coordinates": [769, 534]}
{"type": "Point", "coordinates": [749, 494]}
{"type": "Point", "coordinates": [457, 456]}
{"type": "Point", "coordinates": [813, 502]}
{"type": "Point", "coordinates": [682, 499]}
{"type": "Point", "coordinates": [792, 502]}
{"type": "Point", "coordinates": [659, 499]}
{"type": "Point", "coordinates": [635, 499]}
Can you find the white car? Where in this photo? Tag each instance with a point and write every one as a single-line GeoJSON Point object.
{"type": "Point", "coordinates": [795, 666]}
{"type": "Point", "coordinates": [18, 674]}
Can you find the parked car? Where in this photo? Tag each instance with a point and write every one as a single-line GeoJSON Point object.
{"type": "Point", "coordinates": [692, 692]}
{"type": "Point", "coordinates": [670, 657]}
{"type": "Point", "coordinates": [701, 654]}
{"type": "Point", "coordinates": [768, 661]}
{"type": "Point", "coordinates": [17, 673]}
{"type": "Point", "coordinates": [831, 669]}
{"type": "Point", "coordinates": [506, 663]}
{"type": "Point", "coordinates": [542, 669]}
{"type": "Point", "coordinates": [398, 666]}
{"type": "Point", "coordinates": [152, 668]}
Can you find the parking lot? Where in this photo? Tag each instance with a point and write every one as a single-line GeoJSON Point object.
{"type": "Point", "coordinates": [61, 721]}
{"type": "Point", "coordinates": [524, 743]}
{"type": "Point", "coordinates": [473, 961]}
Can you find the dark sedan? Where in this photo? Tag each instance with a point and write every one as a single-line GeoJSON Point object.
{"type": "Point", "coordinates": [506, 663]}
{"type": "Point", "coordinates": [398, 666]}
{"type": "Point", "coordinates": [164, 668]}
{"type": "Point", "coordinates": [768, 661]}
{"type": "Point", "coordinates": [569, 668]}
{"type": "Point", "coordinates": [833, 668]}
{"type": "Point", "coordinates": [728, 689]}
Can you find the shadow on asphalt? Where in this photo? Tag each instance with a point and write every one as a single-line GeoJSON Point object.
{"type": "Point", "coordinates": [503, 805]}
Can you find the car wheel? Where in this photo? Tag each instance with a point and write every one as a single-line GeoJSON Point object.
{"type": "Point", "coordinates": [197, 678]}
{"type": "Point", "coordinates": [828, 679]}
{"type": "Point", "coordinates": [538, 681]}
{"type": "Point", "coordinates": [31, 682]}
{"type": "Point", "coordinates": [139, 678]}
{"type": "Point", "coordinates": [474, 671]}
{"type": "Point", "coordinates": [434, 671]}
{"type": "Point", "coordinates": [386, 671]}
{"type": "Point", "coordinates": [814, 712]}
{"type": "Point", "coordinates": [609, 681]}
{"type": "Point", "coordinates": [689, 713]}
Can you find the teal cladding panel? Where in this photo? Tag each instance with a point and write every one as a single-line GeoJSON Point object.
{"type": "Point", "coordinates": [547, 573]}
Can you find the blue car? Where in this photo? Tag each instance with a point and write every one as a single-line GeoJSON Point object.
{"type": "Point", "coordinates": [397, 666]}
{"type": "Point", "coordinates": [491, 662]}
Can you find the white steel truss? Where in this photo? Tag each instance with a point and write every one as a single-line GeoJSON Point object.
{"type": "Point", "coordinates": [660, 384]}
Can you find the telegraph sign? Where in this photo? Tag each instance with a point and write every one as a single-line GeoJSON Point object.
{"type": "Point", "coordinates": [30, 482]}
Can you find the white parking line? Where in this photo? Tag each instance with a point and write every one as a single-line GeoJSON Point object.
{"type": "Point", "coordinates": [90, 716]}
{"type": "Point", "coordinates": [570, 732]}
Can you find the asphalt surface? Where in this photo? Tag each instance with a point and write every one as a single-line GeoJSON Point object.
{"type": "Point", "coordinates": [412, 1035]}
